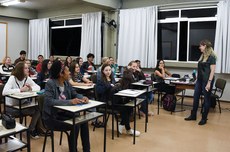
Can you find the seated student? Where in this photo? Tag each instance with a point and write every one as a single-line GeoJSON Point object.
{"type": "Point", "coordinates": [6, 67]}
{"type": "Point", "coordinates": [77, 79]}
{"type": "Point", "coordinates": [58, 91]}
{"type": "Point", "coordinates": [126, 112]}
{"type": "Point", "coordinates": [32, 71]}
{"type": "Point", "coordinates": [161, 72]}
{"type": "Point", "coordinates": [137, 76]}
{"type": "Point", "coordinates": [18, 82]}
{"type": "Point", "coordinates": [114, 66]}
{"type": "Point", "coordinates": [44, 74]}
{"type": "Point", "coordinates": [68, 61]}
{"type": "Point", "coordinates": [51, 58]}
{"type": "Point", "coordinates": [150, 94]}
{"type": "Point", "coordinates": [21, 58]}
{"type": "Point", "coordinates": [88, 65]}
{"type": "Point", "coordinates": [105, 60]}
{"type": "Point", "coordinates": [39, 65]}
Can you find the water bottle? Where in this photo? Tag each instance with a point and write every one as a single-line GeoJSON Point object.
{"type": "Point", "coordinates": [194, 75]}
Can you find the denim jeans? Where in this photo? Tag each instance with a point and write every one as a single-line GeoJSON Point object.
{"type": "Point", "coordinates": [200, 90]}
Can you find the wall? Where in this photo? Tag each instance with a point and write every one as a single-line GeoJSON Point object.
{"type": "Point", "coordinates": [17, 36]}
{"type": "Point", "coordinates": [17, 13]}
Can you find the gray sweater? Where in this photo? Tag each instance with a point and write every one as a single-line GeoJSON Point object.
{"type": "Point", "coordinates": [52, 92]}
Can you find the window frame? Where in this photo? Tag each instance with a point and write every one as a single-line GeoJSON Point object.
{"type": "Point", "coordinates": [188, 20]}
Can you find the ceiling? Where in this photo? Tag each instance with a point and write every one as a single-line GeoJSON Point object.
{"type": "Point", "coordinates": [46, 4]}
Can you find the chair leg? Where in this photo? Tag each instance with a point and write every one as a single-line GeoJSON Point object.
{"type": "Point", "coordinates": [116, 117]}
{"type": "Point", "coordinates": [44, 144]}
{"type": "Point", "coordinates": [60, 142]}
{"type": "Point", "coordinates": [219, 104]}
{"type": "Point", "coordinates": [52, 140]}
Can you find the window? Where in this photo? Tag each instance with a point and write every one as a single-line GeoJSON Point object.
{"type": "Point", "coordinates": [65, 37]}
{"type": "Point", "coordinates": [180, 31]}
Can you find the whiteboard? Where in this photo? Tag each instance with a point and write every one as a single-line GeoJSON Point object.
{"type": "Point", "coordinates": [3, 40]}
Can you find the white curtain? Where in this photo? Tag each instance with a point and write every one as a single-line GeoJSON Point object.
{"type": "Point", "coordinates": [91, 36]}
{"type": "Point", "coordinates": [222, 39]}
{"type": "Point", "coordinates": [38, 38]}
{"type": "Point", "coordinates": [138, 36]}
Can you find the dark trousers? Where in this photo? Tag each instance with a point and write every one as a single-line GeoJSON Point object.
{"type": "Point", "coordinates": [200, 90]}
{"type": "Point", "coordinates": [59, 125]}
{"type": "Point", "coordinates": [125, 117]}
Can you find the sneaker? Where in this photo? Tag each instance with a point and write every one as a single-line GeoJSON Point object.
{"type": "Point", "coordinates": [131, 132]}
{"type": "Point", "coordinates": [34, 134]}
{"type": "Point", "coordinates": [120, 128]}
{"type": "Point", "coordinates": [150, 113]}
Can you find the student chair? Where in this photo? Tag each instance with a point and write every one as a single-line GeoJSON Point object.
{"type": "Point", "coordinates": [49, 132]}
{"type": "Point", "coordinates": [1, 98]}
{"type": "Point", "coordinates": [219, 90]}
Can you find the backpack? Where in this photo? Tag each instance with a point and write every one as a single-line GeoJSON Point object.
{"type": "Point", "coordinates": [169, 102]}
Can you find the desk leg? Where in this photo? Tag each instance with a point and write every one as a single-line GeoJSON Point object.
{"type": "Point", "coordinates": [74, 135]}
{"type": "Point", "coordinates": [147, 111]}
{"type": "Point", "coordinates": [112, 123]}
{"type": "Point", "coordinates": [134, 134]}
{"type": "Point", "coordinates": [28, 140]}
{"type": "Point", "coordinates": [20, 116]}
{"type": "Point", "coordinates": [158, 103]}
{"type": "Point", "coordinates": [105, 114]}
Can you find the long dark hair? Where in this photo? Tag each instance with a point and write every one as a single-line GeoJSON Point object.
{"type": "Point", "coordinates": [127, 79]}
{"type": "Point", "coordinates": [158, 63]}
{"type": "Point", "coordinates": [103, 77]}
{"type": "Point", "coordinates": [18, 71]}
{"type": "Point", "coordinates": [72, 68]}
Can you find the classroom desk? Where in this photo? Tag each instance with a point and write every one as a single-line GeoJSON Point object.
{"type": "Point", "coordinates": [74, 110]}
{"type": "Point", "coordinates": [14, 144]}
{"type": "Point", "coordinates": [184, 85]}
{"type": "Point", "coordinates": [84, 87]}
{"type": "Point", "coordinates": [132, 93]}
{"type": "Point", "coordinates": [149, 88]}
{"type": "Point", "coordinates": [21, 96]}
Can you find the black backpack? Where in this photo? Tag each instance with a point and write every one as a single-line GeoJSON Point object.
{"type": "Point", "coordinates": [169, 102]}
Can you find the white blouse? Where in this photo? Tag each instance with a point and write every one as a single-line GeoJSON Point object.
{"type": "Point", "coordinates": [13, 85]}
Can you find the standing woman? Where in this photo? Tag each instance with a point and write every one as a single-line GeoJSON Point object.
{"type": "Point", "coordinates": [59, 92]}
{"type": "Point", "coordinates": [205, 79]}
{"type": "Point", "coordinates": [18, 82]}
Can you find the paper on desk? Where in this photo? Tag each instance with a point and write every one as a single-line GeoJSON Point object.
{"type": "Point", "coordinates": [23, 94]}
{"type": "Point", "coordinates": [129, 91]}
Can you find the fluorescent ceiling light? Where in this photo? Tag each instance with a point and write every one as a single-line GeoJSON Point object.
{"type": "Point", "coordinates": [11, 2]}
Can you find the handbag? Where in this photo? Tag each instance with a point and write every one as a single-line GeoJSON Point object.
{"type": "Point", "coordinates": [8, 121]}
